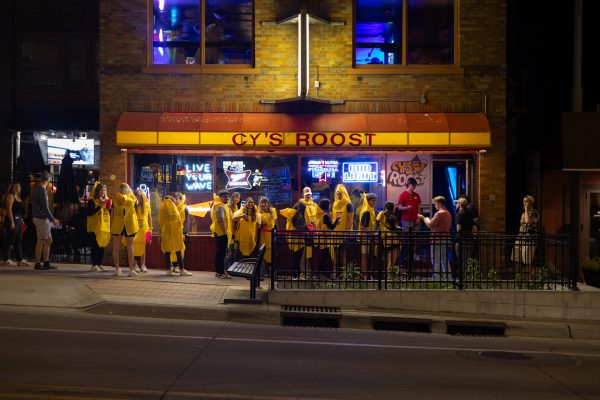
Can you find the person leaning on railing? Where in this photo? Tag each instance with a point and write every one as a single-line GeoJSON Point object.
{"type": "Point", "coordinates": [440, 226]}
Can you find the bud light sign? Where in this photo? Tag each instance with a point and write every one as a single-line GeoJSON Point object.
{"type": "Point", "coordinates": [360, 172]}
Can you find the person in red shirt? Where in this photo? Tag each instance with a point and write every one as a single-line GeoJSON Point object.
{"type": "Point", "coordinates": [440, 226]}
{"type": "Point", "coordinates": [409, 203]}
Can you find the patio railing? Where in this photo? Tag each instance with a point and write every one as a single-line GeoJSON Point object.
{"type": "Point", "coordinates": [421, 260]}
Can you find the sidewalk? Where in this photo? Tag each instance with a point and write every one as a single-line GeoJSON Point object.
{"type": "Point", "coordinates": [201, 296]}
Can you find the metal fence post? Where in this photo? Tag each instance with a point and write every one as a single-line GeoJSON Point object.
{"type": "Point", "coordinates": [273, 257]}
{"type": "Point", "coordinates": [379, 263]}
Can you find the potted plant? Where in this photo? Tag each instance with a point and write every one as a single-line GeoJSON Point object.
{"type": "Point", "coordinates": [591, 271]}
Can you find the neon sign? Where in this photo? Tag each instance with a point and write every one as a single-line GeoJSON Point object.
{"type": "Point", "coordinates": [198, 177]}
{"type": "Point", "coordinates": [144, 188]}
{"type": "Point", "coordinates": [237, 176]}
{"type": "Point", "coordinates": [323, 169]}
{"type": "Point", "coordinates": [360, 172]}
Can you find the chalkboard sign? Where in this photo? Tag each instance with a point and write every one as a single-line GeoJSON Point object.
{"type": "Point", "coordinates": [277, 185]}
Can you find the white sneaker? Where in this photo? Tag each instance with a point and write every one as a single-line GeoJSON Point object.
{"type": "Point", "coordinates": [171, 272]}
{"type": "Point", "coordinates": [10, 263]}
{"type": "Point", "coordinates": [176, 270]}
{"type": "Point", "coordinates": [185, 272]}
{"type": "Point", "coordinates": [101, 268]}
{"type": "Point", "coordinates": [23, 263]}
{"type": "Point", "coordinates": [118, 272]}
{"type": "Point", "coordinates": [132, 272]}
{"type": "Point", "coordinates": [143, 269]}
{"type": "Point", "coordinates": [96, 268]}
{"type": "Point", "coordinates": [136, 269]}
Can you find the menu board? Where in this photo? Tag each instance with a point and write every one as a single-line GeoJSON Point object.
{"type": "Point", "coordinates": [277, 185]}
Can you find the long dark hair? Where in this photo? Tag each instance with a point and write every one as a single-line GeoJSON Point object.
{"type": "Point", "coordinates": [299, 221]}
{"type": "Point", "coordinates": [250, 215]}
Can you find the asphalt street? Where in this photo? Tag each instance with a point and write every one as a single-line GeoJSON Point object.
{"type": "Point", "coordinates": [68, 354]}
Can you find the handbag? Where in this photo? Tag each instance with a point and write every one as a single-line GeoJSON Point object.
{"type": "Point", "coordinates": [148, 236]}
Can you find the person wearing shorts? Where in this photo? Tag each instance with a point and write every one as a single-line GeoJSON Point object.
{"type": "Point", "coordinates": [43, 221]}
{"type": "Point", "coordinates": [124, 222]}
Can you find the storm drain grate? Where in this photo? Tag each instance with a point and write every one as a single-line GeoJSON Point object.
{"type": "Point", "coordinates": [420, 326]}
{"type": "Point", "coordinates": [310, 316]}
{"type": "Point", "coordinates": [475, 329]}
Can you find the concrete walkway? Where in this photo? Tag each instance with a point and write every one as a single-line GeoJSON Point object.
{"type": "Point", "coordinates": [202, 296]}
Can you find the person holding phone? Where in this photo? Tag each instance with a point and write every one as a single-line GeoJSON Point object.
{"type": "Point", "coordinates": [98, 223]}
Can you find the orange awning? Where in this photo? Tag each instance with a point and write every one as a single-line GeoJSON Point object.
{"type": "Point", "coordinates": [312, 131]}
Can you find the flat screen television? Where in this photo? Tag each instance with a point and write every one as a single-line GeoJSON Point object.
{"type": "Point", "coordinates": [81, 151]}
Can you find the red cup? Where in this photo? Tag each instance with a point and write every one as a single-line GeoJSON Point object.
{"type": "Point", "coordinates": [108, 203]}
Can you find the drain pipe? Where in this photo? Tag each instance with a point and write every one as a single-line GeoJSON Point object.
{"type": "Point", "coordinates": [481, 93]}
{"type": "Point", "coordinates": [15, 151]}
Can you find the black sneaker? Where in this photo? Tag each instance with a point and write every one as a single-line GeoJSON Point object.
{"type": "Point", "coordinates": [37, 266]}
{"type": "Point", "coordinates": [47, 266]}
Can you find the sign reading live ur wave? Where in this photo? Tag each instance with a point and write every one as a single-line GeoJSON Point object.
{"type": "Point", "coordinates": [304, 139]}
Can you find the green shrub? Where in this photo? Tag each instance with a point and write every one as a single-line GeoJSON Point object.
{"type": "Point", "coordinates": [591, 264]}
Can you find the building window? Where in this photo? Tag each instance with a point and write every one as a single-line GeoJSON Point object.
{"type": "Point", "coordinates": [397, 32]}
{"type": "Point", "coordinates": [202, 32]}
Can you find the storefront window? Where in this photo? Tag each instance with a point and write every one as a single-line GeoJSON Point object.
{"type": "Point", "coordinates": [359, 175]}
{"type": "Point", "coordinates": [179, 31]}
{"type": "Point", "coordinates": [274, 177]}
{"type": "Point", "coordinates": [159, 175]}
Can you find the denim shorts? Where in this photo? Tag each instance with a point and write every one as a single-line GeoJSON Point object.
{"type": "Point", "coordinates": [43, 228]}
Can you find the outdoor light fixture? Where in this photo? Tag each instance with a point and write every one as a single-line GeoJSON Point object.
{"type": "Point", "coordinates": [303, 21]}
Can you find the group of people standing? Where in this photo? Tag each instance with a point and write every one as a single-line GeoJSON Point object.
{"type": "Point", "coordinates": [126, 219]}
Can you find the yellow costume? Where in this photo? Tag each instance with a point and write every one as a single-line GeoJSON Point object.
{"type": "Point", "coordinates": [341, 207]}
{"type": "Point", "coordinates": [171, 236]}
{"type": "Point", "coordinates": [268, 221]}
{"type": "Point", "coordinates": [181, 208]}
{"type": "Point", "coordinates": [215, 227]}
{"type": "Point", "coordinates": [310, 215]}
{"type": "Point", "coordinates": [246, 234]}
{"type": "Point", "coordinates": [124, 216]}
{"type": "Point", "coordinates": [366, 208]}
{"type": "Point", "coordinates": [295, 243]}
{"type": "Point", "coordinates": [139, 242]}
{"type": "Point", "coordinates": [99, 223]}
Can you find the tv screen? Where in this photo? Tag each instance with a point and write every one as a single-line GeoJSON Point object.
{"type": "Point", "coordinates": [81, 151]}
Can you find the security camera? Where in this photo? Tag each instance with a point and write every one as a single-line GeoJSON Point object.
{"type": "Point", "coordinates": [123, 150]}
{"type": "Point", "coordinates": [482, 152]}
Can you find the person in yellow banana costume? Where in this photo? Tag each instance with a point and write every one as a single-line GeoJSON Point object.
{"type": "Point", "coordinates": [171, 233]}
{"type": "Point", "coordinates": [366, 218]}
{"type": "Point", "coordinates": [325, 224]}
{"type": "Point", "coordinates": [344, 210]}
{"type": "Point", "coordinates": [98, 223]}
{"type": "Point", "coordinates": [144, 235]}
{"type": "Point", "coordinates": [124, 222]}
{"type": "Point", "coordinates": [268, 221]}
{"type": "Point", "coordinates": [248, 219]}
{"type": "Point", "coordinates": [221, 229]}
{"type": "Point", "coordinates": [184, 216]}
{"type": "Point", "coordinates": [389, 223]}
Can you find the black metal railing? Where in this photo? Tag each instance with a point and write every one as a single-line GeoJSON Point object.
{"type": "Point", "coordinates": [421, 260]}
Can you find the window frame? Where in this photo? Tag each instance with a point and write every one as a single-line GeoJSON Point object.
{"type": "Point", "coordinates": [201, 68]}
{"type": "Point", "coordinates": [404, 68]}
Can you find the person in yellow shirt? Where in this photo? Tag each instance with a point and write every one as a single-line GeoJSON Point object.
{"type": "Point", "coordinates": [221, 229]}
{"type": "Point", "coordinates": [98, 223]}
{"type": "Point", "coordinates": [248, 219]}
{"type": "Point", "coordinates": [366, 217]}
{"type": "Point", "coordinates": [344, 210]}
{"type": "Point", "coordinates": [268, 221]}
{"type": "Point", "coordinates": [311, 208]}
{"type": "Point", "coordinates": [233, 254]}
{"type": "Point", "coordinates": [124, 222]}
{"type": "Point", "coordinates": [171, 234]}
{"type": "Point", "coordinates": [144, 235]}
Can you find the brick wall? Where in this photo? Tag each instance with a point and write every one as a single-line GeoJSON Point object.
{"type": "Point", "coordinates": [5, 88]}
{"type": "Point", "coordinates": [125, 87]}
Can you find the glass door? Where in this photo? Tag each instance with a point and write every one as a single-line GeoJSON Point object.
{"type": "Point", "coordinates": [592, 224]}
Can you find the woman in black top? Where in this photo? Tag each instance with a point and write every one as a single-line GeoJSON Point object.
{"type": "Point", "coordinates": [14, 225]}
{"type": "Point", "coordinates": [324, 223]}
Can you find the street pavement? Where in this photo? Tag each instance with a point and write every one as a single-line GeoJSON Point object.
{"type": "Point", "coordinates": [204, 297]}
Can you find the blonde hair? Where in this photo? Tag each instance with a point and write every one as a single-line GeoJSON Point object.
{"type": "Point", "coordinates": [125, 189]}
{"type": "Point", "coordinates": [141, 198]}
{"type": "Point", "coordinates": [529, 198]}
{"type": "Point", "coordinates": [12, 188]}
{"type": "Point", "coordinates": [439, 199]}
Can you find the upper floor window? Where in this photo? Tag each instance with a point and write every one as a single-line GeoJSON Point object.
{"type": "Point", "coordinates": [202, 32]}
{"type": "Point", "coordinates": [404, 32]}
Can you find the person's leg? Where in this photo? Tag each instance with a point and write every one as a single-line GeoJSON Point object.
{"type": "Point", "coordinates": [182, 270]}
{"type": "Point", "coordinates": [9, 240]}
{"type": "Point", "coordinates": [130, 255]}
{"type": "Point", "coordinates": [297, 257]}
{"type": "Point", "coordinates": [116, 246]}
{"type": "Point", "coordinates": [46, 251]}
{"type": "Point", "coordinates": [168, 263]}
{"type": "Point", "coordinates": [18, 245]}
{"type": "Point", "coordinates": [143, 267]}
{"type": "Point", "coordinates": [39, 246]}
{"type": "Point", "coordinates": [221, 244]}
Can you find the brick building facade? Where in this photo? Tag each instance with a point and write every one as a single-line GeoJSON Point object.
{"type": "Point", "coordinates": [475, 84]}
